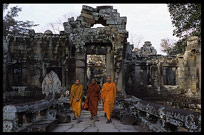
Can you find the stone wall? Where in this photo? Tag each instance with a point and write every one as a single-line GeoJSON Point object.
{"type": "Point", "coordinates": [189, 72]}
{"type": "Point", "coordinates": [31, 57]}
{"type": "Point", "coordinates": [166, 79]}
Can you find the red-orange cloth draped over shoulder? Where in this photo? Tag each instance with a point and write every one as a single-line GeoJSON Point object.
{"type": "Point", "coordinates": [93, 96]}
{"type": "Point", "coordinates": [108, 95]}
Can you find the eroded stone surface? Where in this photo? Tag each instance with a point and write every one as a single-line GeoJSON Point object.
{"type": "Point", "coordinates": [51, 84]}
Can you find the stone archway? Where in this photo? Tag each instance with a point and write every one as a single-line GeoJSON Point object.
{"type": "Point", "coordinates": [114, 32]}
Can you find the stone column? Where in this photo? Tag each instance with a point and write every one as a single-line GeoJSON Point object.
{"type": "Point", "coordinates": [5, 56]}
{"type": "Point", "coordinates": [81, 67]}
{"type": "Point", "coordinates": [110, 63]}
{"type": "Point", "coordinates": [198, 65]}
{"type": "Point", "coordinates": [120, 82]}
{"type": "Point", "coordinates": [192, 43]}
{"type": "Point", "coordinates": [108, 57]}
{"type": "Point", "coordinates": [112, 66]}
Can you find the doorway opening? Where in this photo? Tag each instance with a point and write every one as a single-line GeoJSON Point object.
{"type": "Point", "coordinates": [96, 68]}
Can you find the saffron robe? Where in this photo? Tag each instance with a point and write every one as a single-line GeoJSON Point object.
{"type": "Point", "coordinates": [108, 95]}
{"type": "Point", "coordinates": [76, 93]}
{"type": "Point", "coordinates": [93, 96]}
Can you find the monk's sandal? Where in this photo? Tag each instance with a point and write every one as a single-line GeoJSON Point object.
{"type": "Point", "coordinates": [96, 119]}
{"type": "Point", "coordinates": [79, 121]}
{"type": "Point", "coordinates": [108, 121]}
{"type": "Point", "coordinates": [74, 118]}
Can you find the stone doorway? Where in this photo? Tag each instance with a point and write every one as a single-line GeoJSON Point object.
{"type": "Point", "coordinates": [108, 40]}
{"type": "Point", "coordinates": [99, 62]}
{"type": "Point", "coordinates": [96, 68]}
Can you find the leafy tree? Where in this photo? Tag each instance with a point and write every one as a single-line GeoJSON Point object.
{"type": "Point", "coordinates": [13, 26]}
{"type": "Point", "coordinates": [179, 47]}
{"type": "Point", "coordinates": [186, 18]}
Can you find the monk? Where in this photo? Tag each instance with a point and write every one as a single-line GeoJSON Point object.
{"type": "Point", "coordinates": [75, 99]}
{"type": "Point", "coordinates": [93, 96]}
{"type": "Point", "coordinates": [108, 96]}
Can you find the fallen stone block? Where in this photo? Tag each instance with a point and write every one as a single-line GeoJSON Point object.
{"type": "Point", "coordinates": [63, 117]}
{"type": "Point", "coordinates": [128, 119]}
{"type": "Point", "coordinates": [43, 126]}
{"type": "Point", "coordinates": [116, 114]}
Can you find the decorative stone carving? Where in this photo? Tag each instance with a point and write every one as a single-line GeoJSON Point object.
{"type": "Point", "coordinates": [51, 84]}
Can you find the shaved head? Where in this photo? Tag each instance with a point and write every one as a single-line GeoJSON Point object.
{"type": "Point", "coordinates": [93, 80]}
{"type": "Point", "coordinates": [108, 79]}
{"type": "Point", "coordinates": [77, 81]}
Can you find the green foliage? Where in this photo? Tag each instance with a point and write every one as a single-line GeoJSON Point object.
{"type": "Point", "coordinates": [179, 47]}
{"type": "Point", "coordinates": [186, 18]}
{"type": "Point", "coordinates": [13, 26]}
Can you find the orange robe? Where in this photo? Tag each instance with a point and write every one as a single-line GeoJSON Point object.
{"type": "Point", "coordinates": [108, 95]}
{"type": "Point", "coordinates": [93, 96]}
{"type": "Point", "coordinates": [76, 92]}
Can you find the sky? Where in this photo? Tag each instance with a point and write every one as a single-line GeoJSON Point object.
{"type": "Point", "coordinates": [145, 22]}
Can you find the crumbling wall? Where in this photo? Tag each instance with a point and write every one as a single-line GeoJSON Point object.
{"type": "Point", "coordinates": [31, 56]}
{"type": "Point", "coordinates": [108, 40]}
{"type": "Point", "coordinates": [165, 79]}
{"type": "Point", "coordinates": [189, 70]}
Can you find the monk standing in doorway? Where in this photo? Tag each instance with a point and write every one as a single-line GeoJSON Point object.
{"type": "Point", "coordinates": [108, 96]}
{"type": "Point", "coordinates": [93, 96]}
{"type": "Point", "coordinates": [75, 99]}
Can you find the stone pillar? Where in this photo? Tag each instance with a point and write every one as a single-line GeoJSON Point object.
{"type": "Point", "coordinates": [188, 64]}
{"type": "Point", "coordinates": [112, 66]}
{"type": "Point", "coordinates": [110, 63]}
{"type": "Point", "coordinates": [198, 65]}
{"type": "Point", "coordinates": [5, 56]}
{"type": "Point", "coordinates": [192, 45]}
{"type": "Point", "coordinates": [81, 67]}
{"type": "Point", "coordinates": [120, 82]}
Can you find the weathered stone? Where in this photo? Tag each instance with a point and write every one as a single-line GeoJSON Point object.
{"type": "Point", "coordinates": [128, 119]}
{"type": "Point", "coordinates": [63, 117]}
{"type": "Point", "coordinates": [44, 126]}
{"type": "Point", "coordinates": [51, 84]}
{"type": "Point", "coordinates": [51, 114]}
{"type": "Point", "coordinates": [87, 16]}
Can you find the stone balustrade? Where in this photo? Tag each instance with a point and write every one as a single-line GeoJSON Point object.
{"type": "Point", "coordinates": [156, 116]}
{"type": "Point", "coordinates": [18, 117]}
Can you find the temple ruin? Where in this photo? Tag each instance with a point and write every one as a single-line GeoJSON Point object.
{"type": "Point", "coordinates": [144, 79]}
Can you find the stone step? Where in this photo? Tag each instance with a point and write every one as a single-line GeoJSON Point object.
{"type": "Point", "coordinates": [42, 126]}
